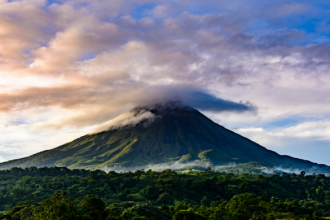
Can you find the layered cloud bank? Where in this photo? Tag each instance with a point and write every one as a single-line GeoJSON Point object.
{"type": "Point", "coordinates": [69, 66]}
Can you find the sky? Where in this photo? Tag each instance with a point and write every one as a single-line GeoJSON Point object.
{"type": "Point", "coordinates": [259, 68]}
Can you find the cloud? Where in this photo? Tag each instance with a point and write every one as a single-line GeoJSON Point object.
{"type": "Point", "coordinates": [97, 105]}
{"type": "Point", "coordinates": [159, 11]}
{"type": "Point", "coordinates": [307, 140]}
{"type": "Point", "coordinates": [83, 63]}
{"type": "Point", "coordinates": [197, 99]}
{"type": "Point", "coordinates": [65, 48]}
{"type": "Point", "coordinates": [126, 119]}
{"type": "Point", "coordinates": [207, 102]}
{"type": "Point", "coordinates": [22, 24]}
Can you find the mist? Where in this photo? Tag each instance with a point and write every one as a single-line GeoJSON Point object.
{"type": "Point", "coordinates": [202, 165]}
{"type": "Point", "coordinates": [128, 119]}
{"type": "Point", "coordinates": [279, 169]}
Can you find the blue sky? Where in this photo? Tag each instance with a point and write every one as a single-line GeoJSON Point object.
{"type": "Point", "coordinates": [260, 68]}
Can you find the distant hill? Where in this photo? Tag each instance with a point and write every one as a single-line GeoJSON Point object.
{"type": "Point", "coordinates": [160, 134]}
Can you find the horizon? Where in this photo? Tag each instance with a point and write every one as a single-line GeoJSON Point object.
{"type": "Point", "coordinates": [260, 69]}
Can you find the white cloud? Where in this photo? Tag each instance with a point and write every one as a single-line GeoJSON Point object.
{"type": "Point", "coordinates": [307, 140]}
{"type": "Point", "coordinates": [85, 62]}
{"type": "Point", "coordinates": [126, 119]}
{"type": "Point", "coordinates": [160, 11]}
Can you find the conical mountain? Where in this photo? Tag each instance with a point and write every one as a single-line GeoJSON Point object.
{"type": "Point", "coordinates": [163, 133]}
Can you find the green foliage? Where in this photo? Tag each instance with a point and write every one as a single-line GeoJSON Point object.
{"type": "Point", "coordinates": [189, 214]}
{"type": "Point", "coordinates": [150, 192]}
{"type": "Point", "coordinates": [165, 198]}
{"type": "Point", "coordinates": [93, 208]}
{"type": "Point", "coordinates": [243, 206]}
{"type": "Point", "coordinates": [149, 211]}
{"type": "Point", "coordinates": [23, 211]}
{"type": "Point", "coordinates": [179, 134]}
{"type": "Point", "coordinates": [57, 207]}
{"type": "Point", "coordinates": [60, 193]}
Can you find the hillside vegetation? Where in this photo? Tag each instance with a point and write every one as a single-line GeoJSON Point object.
{"type": "Point", "coordinates": [35, 193]}
{"type": "Point", "coordinates": [177, 135]}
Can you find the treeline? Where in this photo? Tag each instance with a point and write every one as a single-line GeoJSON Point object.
{"type": "Point", "coordinates": [206, 195]}
{"type": "Point", "coordinates": [245, 206]}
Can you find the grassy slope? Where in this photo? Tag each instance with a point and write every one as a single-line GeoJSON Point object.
{"type": "Point", "coordinates": [182, 136]}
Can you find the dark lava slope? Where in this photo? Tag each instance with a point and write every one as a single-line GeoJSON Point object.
{"type": "Point", "coordinates": [177, 133]}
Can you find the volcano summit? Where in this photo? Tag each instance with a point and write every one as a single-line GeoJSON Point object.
{"type": "Point", "coordinates": [162, 133]}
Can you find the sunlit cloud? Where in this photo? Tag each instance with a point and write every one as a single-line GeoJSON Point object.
{"type": "Point", "coordinates": [69, 66]}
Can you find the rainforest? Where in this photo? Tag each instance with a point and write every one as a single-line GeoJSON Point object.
{"type": "Point", "coordinates": [61, 193]}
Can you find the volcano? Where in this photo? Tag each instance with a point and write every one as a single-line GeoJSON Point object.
{"type": "Point", "coordinates": [156, 134]}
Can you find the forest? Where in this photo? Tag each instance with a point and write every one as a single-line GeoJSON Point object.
{"type": "Point", "coordinates": [61, 193]}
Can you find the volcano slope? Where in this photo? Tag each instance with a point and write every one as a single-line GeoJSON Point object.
{"type": "Point", "coordinates": [160, 134]}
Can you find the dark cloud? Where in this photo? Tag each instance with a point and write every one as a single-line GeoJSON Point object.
{"type": "Point", "coordinates": [208, 102]}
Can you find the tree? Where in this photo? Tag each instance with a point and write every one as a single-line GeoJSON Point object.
{"type": "Point", "coordinates": [57, 207]}
{"type": "Point", "coordinates": [93, 208]}
{"type": "Point", "coordinates": [23, 211]}
{"type": "Point", "coordinates": [189, 214]}
{"type": "Point", "coordinates": [302, 173]}
{"type": "Point", "coordinates": [244, 206]}
{"type": "Point", "coordinates": [149, 192]}
{"type": "Point", "coordinates": [149, 211]}
{"type": "Point", "coordinates": [219, 212]}
{"type": "Point", "coordinates": [165, 198]}
{"type": "Point", "coordinates": [205, 201]}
